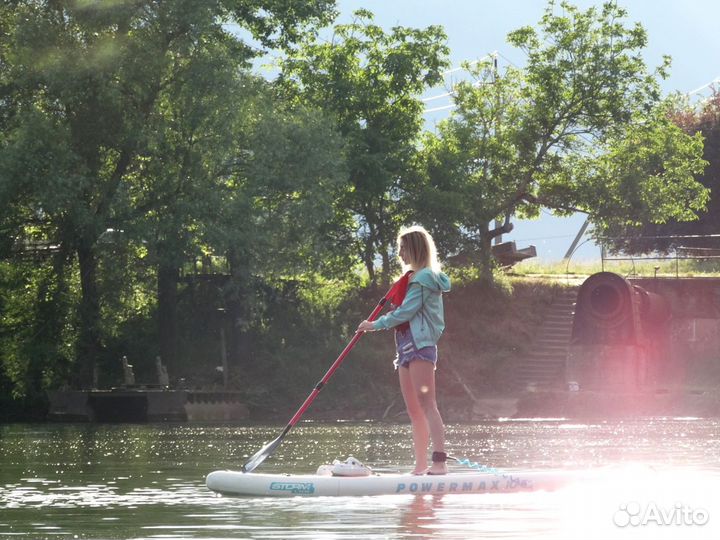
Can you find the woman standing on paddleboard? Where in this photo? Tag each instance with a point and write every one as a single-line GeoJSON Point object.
{"type": "Point", "coordinates": [418, 321]}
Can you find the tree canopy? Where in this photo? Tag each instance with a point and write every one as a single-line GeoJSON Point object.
{"type": "Point", "coordinates": [121, 124]}
{"type": "Point", "coordinates": [155, 191]}
{"type": "Point", "coordinates": [702, 119]}
{"type": "Point", "coordinates": [370, 80]}
{"type": "Point", "coordinates": [582, 127]}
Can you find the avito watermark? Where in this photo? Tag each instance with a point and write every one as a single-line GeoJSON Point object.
{"type": "Point", "coordinates": [636, 515]}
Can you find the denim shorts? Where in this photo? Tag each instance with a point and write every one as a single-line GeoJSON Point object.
{"type": "Point", "coordinates": [407, 351]}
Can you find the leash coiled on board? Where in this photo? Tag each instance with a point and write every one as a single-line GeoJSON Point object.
{"type": "Point", "coordinates": [475, 465]}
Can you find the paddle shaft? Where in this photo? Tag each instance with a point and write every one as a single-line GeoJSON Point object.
{"type": "Point", "coordinates": [335, 365]}
{"type": "Point", "coordinates": [268, 449]}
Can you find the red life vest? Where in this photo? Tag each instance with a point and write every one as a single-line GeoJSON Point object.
{"type": "Point", "coordinates": [397, 295]}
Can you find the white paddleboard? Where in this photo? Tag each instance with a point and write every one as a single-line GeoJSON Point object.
{"type": "Point", "coordinates": [289, 485]}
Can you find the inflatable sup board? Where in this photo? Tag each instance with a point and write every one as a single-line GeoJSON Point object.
{"type": "Point", "coordinates": [289, 485]}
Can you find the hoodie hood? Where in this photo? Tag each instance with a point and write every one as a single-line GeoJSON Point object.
{"type": "Point", "coordinates": [435, 281]}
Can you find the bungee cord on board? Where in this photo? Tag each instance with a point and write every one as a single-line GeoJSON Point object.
{"type": "Point", "coordinates": [475, 465]}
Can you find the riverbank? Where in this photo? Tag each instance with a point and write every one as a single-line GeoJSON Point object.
{"type": "Point", "coordinates": [581, 406]}
{"type": "Point", "coordinates": [594, 405]}
{"type": "Point", "coordinates": [489, 330]}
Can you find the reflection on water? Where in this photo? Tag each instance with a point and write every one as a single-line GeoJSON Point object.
{"type": "Point", "coordinates": [652, 478]}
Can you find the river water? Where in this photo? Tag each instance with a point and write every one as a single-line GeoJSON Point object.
{"type": "Point", "coordinates": [651, 478]}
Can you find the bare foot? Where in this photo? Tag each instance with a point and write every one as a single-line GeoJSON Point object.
{"type": "Point", "coordinates": [419, 471]}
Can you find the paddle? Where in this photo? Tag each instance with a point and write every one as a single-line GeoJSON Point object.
{"type": "Point", "coordinates": [270, 447]}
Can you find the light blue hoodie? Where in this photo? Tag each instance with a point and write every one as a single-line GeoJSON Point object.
{"type": "Point", "coordinates": [423, 307]}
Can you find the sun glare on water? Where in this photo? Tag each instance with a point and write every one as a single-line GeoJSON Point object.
{"type": "Point", "coordinates": [637, 501]}
{"type": "Point", "coordinates": [618, 502]}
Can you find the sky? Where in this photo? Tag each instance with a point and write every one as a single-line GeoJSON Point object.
{"type": "Point", "coordinates": [687, 30]}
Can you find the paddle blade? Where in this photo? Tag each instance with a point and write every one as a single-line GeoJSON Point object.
{"type": "Point", "coordinates": [262, 454]}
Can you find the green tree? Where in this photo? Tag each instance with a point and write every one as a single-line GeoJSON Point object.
{"type": "Point", "coordinates": [81, 82]}
{"type": "Point", "coordinates": [705, 120]}
{"type": "Point", "coordinates": [176, 184]}
{"type": "Point", "coordinates": [277, 199]}
{"type": "Point", "coordinates": [581, 127]}
{"type": "Point", "coordinates": [369, 81]}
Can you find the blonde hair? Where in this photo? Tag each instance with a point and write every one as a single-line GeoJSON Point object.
{"type": "Point", "coordinates": [419, 248]}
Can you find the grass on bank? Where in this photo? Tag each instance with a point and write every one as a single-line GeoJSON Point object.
{"type": "Point", "coordinates": [630, 268]}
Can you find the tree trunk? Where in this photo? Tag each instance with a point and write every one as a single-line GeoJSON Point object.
{"type": "Point", "coordinates": [385, 266]}
{"type": "Point", "coordinates": [485, 261]}
{"type": "Point", "coordinates": [369, 258]}
{"type": "Point", "coordinates": [232, 328]}
{"type": "Point", "coordinates": [50, 318]}
{"type": "Point", "coordinates": [237, 317]}
{"type": "Point", "coordinates": [167, 281]}
{"type": "Point", "coordinates": [89, 339]}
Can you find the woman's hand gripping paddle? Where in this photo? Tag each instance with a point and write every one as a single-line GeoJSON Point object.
{"type": "Point", "coordinates": [270, 447]}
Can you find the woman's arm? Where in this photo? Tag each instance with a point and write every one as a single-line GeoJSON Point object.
{"type": "Point", "coordinates": [410, 306]}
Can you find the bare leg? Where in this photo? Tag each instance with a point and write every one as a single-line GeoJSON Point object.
{"type": "Point", "coordinates": [420, 431]}
{"type": "Point", "coordinates": [417, 384]}
{"type": "Point", "coordinates": [422, 375]}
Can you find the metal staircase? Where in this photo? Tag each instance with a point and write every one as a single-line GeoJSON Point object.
{"type": "Point", "coordinates": [544, 366]}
